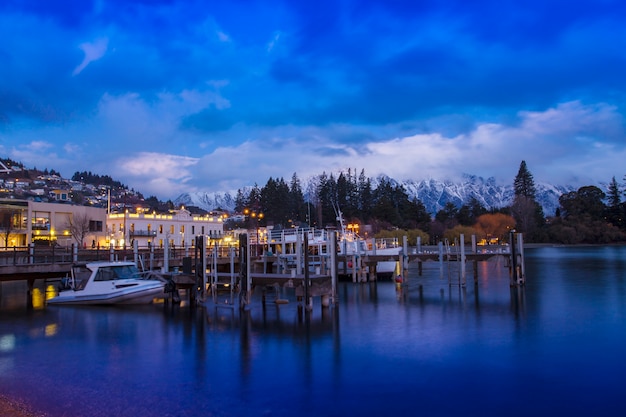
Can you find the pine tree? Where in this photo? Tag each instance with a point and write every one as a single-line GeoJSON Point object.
{"type": "Point", "coordinates": [615, 213]}
{"type": "Point", "coordinates": [526, 210]}
{"type": "Point", "coordinates": [614, 197]}
{"type": "Point", "coordinates": [524, 184]}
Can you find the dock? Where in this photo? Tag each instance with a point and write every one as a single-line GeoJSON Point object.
{"type": "Point", "coordinates": [229, 275]}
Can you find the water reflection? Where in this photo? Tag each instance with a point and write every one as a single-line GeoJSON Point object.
{"type": "Point", "coordinates": [382, 350]}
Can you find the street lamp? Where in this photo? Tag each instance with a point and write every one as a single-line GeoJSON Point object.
{"type": "Point", "coordinates": [251, 214]}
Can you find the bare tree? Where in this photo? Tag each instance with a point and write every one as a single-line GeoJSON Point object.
{"type": "Point", "coordinates": [78, 225]}
{"type": "Point", "coordinates": [7, 223]}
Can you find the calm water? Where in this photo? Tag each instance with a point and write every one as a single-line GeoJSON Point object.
{"type": "Point", "coordinates": [557, 347]}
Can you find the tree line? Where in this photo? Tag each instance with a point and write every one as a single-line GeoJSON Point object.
{"type": "Point", "coordinates": [587, 215]}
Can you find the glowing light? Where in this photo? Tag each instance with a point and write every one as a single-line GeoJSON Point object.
{"type": "Point", "coordinates": [38, 299]}
{"type": "Point", "coordinates": [51, 330]}
{"type": "Point", "coordinates": [50, 292]}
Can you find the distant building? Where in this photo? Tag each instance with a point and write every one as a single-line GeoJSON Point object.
{"type": "Point", "coordinates": [60, 195]}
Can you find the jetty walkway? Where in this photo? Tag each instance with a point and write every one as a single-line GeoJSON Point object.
{"type": "Point", "coordinates": [237, 270]}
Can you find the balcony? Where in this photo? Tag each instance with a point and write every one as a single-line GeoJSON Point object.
{"type": "Point", "coordinates": [142, 233]}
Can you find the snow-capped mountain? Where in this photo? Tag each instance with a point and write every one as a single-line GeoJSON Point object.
{"type": "Point", "coordinates": [433, 193]}
{"type": "Point", "coordinates": [207, 201]}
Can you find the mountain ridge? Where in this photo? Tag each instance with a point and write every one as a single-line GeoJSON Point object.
{"type": "Point", "coordinates": [433, 193]}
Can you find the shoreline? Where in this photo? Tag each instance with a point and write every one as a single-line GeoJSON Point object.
{"type": "Point", "coordinates": [10, 407]}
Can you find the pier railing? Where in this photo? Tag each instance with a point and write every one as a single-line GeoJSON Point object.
{"type": "Point", "coordinates": [34, 254]}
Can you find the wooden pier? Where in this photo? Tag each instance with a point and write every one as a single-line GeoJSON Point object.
{"type": "Point", "coordinates": [229, 275]}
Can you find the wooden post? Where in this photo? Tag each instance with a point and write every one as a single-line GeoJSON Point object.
{"type": "Point", "coordinates": [299, 254]}
{"type": "Point", "coordinates": [521, 279]}
{"type": "Point", "coordinates": [307, 297]}
{"type": "Point", "coordinates": [166, 255]}
{"type": "Point", "coordinates": [151, 247]}
{"type": "Point", "coordinates": [513, 265]}
{"type": "Point", "coordinates": [244, 270]}
{"type": "Point", "coordinates": [440, 259]}
{"type": "Point", "coordinates": [405, 260]}
{"type": "Point", "coordinates": [462, 245]}
{"type": "Point", "coordinates": [136, 251]}
{"type": "Point", "coordinates": [333, 265]}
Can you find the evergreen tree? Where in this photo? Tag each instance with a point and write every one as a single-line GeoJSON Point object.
{"type": "Point", "coordinates": [447, 215]}
{"type": "Point", "coordinates": [614, 195]}
{"type": "Point", "coordinates": [527, 212]}
{"type": "Point", "coordinates": [241, 201]}
{"type": "Point", "coordinates": [327, 193]}
{"type": "Point", "coordinates": [297, 207]}
{"type": "Point", "coordinates": [615, 207]}
{"type": "Point", "coordinates": [364, 193]}
{"type": "Point", "coordinates": [524, 184]}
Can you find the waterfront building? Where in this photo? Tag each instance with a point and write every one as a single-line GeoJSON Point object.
{"type": "Point", "coordinates": [178, 227]}
{"type": "Point", "coordinates": [23, 222]}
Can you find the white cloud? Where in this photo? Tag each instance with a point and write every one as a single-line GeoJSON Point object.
{"type": "Point", "coordinates": [557, 144]}
{"type": "Point", "coordinates": [140, 144]}
{"type": "Point", "coordinates": [93, 51]}
{"type": "Point", "coordinates": [159, 174]}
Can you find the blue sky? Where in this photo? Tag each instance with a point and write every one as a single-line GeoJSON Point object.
{"type": "Point", "coordinates": [174, 96]}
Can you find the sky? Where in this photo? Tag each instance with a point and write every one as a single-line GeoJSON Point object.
{"type": "Point", "coordinates": [173, 96]}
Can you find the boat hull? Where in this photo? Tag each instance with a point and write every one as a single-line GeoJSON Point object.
{"type": "Point", "coordinates": [138, 295]}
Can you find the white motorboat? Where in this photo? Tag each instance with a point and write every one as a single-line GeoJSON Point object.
{"type": "Point", "coordinates": [109, 283]}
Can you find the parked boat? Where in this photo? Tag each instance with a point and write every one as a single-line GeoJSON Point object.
{"type": "Point", "coordinates": [109, 283]}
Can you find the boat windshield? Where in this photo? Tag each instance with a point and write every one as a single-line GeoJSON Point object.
{"type": "Point", "coordinates": [110, 273]}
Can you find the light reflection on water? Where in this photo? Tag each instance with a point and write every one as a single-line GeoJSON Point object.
{"type": "Point", "coordinates": [553, 347]}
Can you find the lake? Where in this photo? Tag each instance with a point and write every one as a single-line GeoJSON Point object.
{"type": "Point", "coordinates": [433, 348]}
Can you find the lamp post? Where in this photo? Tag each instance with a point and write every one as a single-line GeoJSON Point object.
{"type": "Point", "coordinates": [250, 215]}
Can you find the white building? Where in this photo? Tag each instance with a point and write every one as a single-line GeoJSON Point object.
{"type": "Point", "coordinates": [179, 228]}
{"type": "Point", "coordinates": [23, 222]}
